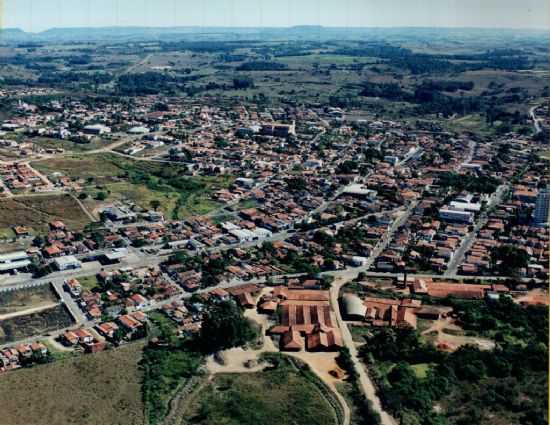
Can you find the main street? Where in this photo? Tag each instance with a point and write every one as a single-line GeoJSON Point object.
{"type": "Point", "coordinates": [468, 241]}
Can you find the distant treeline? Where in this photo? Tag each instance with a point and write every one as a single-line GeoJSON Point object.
{"type": "Point", "coordinates": [422, 63]}
{"type": "Point", "coordinates": [151, 83]}
{"type": "Point", "coordinates": [262, 66]}
{"type": "Point", "coordinates": [429, 97]}
{"type": "Point", "coordinates": [61, 78]}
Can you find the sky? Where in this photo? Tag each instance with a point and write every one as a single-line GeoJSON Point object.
{"type": "Point", "coordinates": [39, 15]}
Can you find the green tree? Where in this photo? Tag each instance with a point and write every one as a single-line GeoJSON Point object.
{"type": "Point", "coordinates": [155, 204]}
{"type": "Point", "coordinates": [509, 260]}
{"type": "Point", "coordinates": [101, 196]}
{"type": "Point", "coordinates": [223, 327]}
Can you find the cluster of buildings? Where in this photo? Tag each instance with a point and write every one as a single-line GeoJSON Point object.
{"type": "Point", "coordinates": [22, 355]}
{"type": "Point", "coordinates": [520, 222]}
{"type": "Point", "coordinates": [122, 290]}
{"type": "Point", "coordinates": [20, 177]}
{"type": "Point", "coordinates": [306, 319]}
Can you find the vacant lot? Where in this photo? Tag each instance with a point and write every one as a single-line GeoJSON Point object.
{"type": "Point", "coordinates": [37, 211]}
{"type": "Point", "coordinates": [94, 389]}
{"type": "Point", "coordinates": [16, 301]}
{"type": "Point", "coordinates": [100, 167]}
{"type": "Point", "coordinates": [278, 396]}
{"type": "Point", "coordinates": [26, 326]}
{"type": "Point", "coordinates": [68, 145]}
{"type": "Point", "coordinates": [139, 182]}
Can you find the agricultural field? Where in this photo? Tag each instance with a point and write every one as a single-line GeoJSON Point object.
{"type": "Point", "coordinates": [37, 211]}
{"type": "Point", "coordinates": [94, 389]}
{"type": "Point", "coordinates": [280, 395]}
{"type": "Point", "coordinates": [28, 325]}
{"type": "Point", "coordinates": [25, 299]}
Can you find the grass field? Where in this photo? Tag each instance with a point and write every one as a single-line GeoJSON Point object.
{"type": "Point", "coordinates": [474, 123]}
{"type": "Point", "coordinates": [421, 369]}
{"type": "Point", "coordinates": [140, 182]}
{"type": "Point", "coordinates": [94, 389]}
{"type": "Point", "coordinates": [100, 167]}
{"type": "Point", "coordinates": [88, 282]}
{"type": "Point", "coordinates": [67, 145]}
{"type": "Point", "coordinates": [37, 211]}
{"type": "Point", "coordinates": [278, 396]}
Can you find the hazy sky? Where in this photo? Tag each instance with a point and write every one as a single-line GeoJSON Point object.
{"type": "Point", "coordinates": [38, 15]}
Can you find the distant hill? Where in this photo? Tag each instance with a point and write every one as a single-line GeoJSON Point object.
{"type": "Point", "coordinates": [301, 32]}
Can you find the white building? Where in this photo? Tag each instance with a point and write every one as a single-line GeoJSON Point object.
{"type": "Point", "coordinates": [68, 262]}
{"type": "Point", "coordinates": [360, 190]}
{"type": "Point", "coordinates": [97, 129]}
{"type": "Point", "coordinates": [391, 159]}
{"type": "Point", "coordinates": [138, 130]}
{"type": "Point", "coordinates": [243, 235]}
{"type": "Point", "coordinates": [14, 261]}
{"type": "Point", "coordinates": [541, 208]}
{"type": "Point", "coordinates": [466, 206]}
{"type": "Point", "coordinates": [458, 216]}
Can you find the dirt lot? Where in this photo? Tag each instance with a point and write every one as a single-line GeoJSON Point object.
{"type": "Point", "coordinates": [19, 301]}
{"type": "Point", "coordinates": [446, 333]}
{"type": "Point", "coordinates": [26, 326]}
{"type": "Point", "coordinates": [92, 389]}
{"type": "Point", "coordinates": [37, 211]}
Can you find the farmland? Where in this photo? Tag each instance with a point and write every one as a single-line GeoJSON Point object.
{"type": "Point", "coordinates": [95, 389]}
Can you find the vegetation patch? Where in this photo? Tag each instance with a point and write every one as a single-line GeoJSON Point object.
{"type": "Point", "coordinates": [38, 211]}
{"type": "Point", "coordinates": [24, 299]}
{"type": "Point", "coordinates": [90, 389]}
{"type": "Point", "coordinates": [109, 177]}
{"type": "Point", "coordinates": [278, 395]}
{"type": "Point", "coordinates": [25, 326]}
{"type": "Point", "coordinates": [507, 385]}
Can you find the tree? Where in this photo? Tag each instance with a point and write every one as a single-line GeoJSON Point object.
{"type": "Point", "coordinates": [508, 259]}
{"type": "Point", "coordinates": [223, 327]}
{"type": "Point", "coordinates": [38, 241]}
{"type": "Point", "coordinates": [155, 204]}
{"type": "Point", "coordinates": [82, 196]}
{"type": "Point", "coordinates": [101, 196]}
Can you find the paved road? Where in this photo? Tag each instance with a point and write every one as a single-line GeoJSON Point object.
{"type": "Point", "coordinates": [343, 277]}
{"type": "Point", "coordinates": [364, 380]}
{"type": "Point", "coordinates": [536, 122]}
{"type": "Point", "coordinates": [468, 241]}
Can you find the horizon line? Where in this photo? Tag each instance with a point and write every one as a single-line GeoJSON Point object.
{"type": "Point", "coordinates": [96, 27]}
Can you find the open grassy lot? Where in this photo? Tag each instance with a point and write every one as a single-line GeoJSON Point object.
{"type": "Point", "coordinates": [24, 299]}
{"type": "Point", "coordinates": [100, 167]}
{"type": "Point", "coordinates": [89, 282]}
{"type": "Point", "coordinates": [140, 182]}
{"type": "Point", "coordinates": [28, 325]}
{"type": "Point", "coordinates": [94, 389]}
{"type": "Point", "coordinates": [37, 211]}
{"type": "Point", "coordinates": [67, 145]}
{"type": "Point", "coordinates": [281, 395]}
{"type": "Point", "coordinates": [474, 123]}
